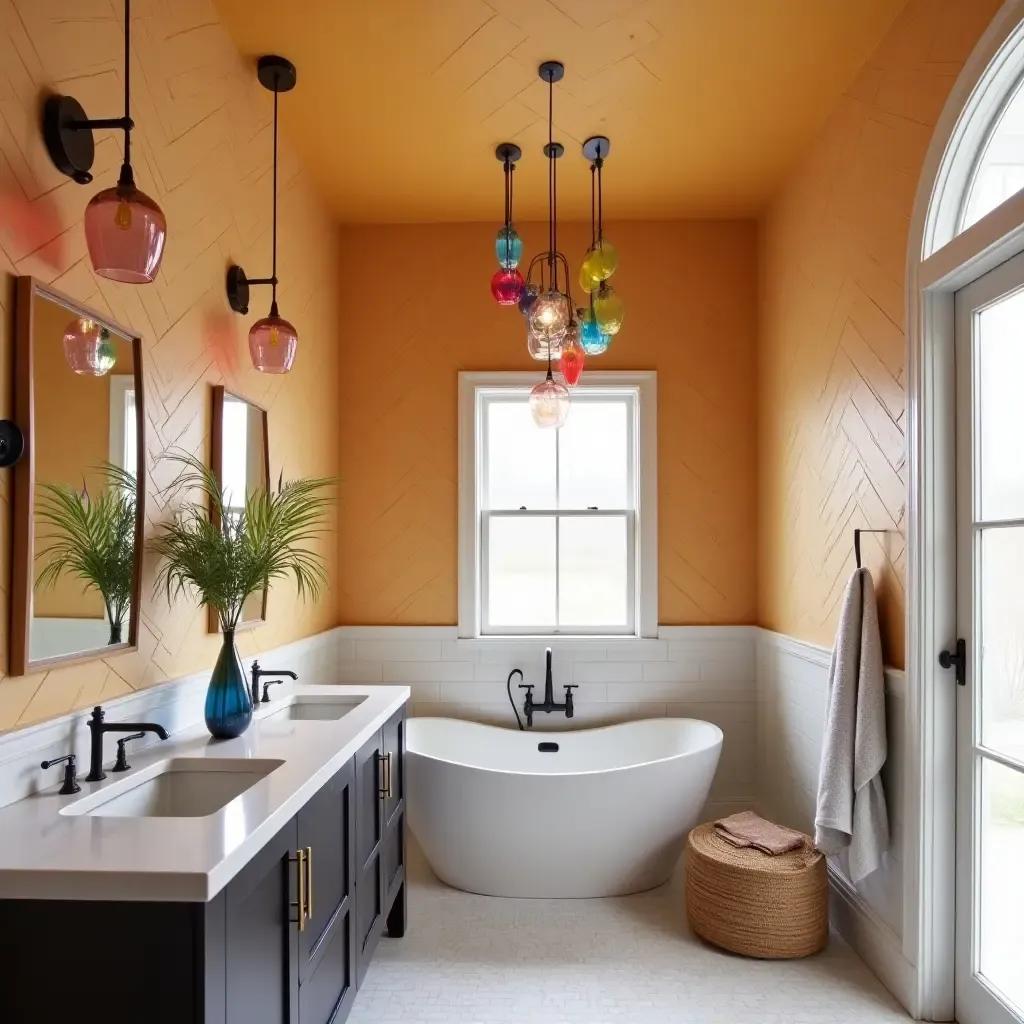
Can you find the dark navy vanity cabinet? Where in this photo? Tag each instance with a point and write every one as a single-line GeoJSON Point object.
{"type": "Point", "coordinates": [287, 941]}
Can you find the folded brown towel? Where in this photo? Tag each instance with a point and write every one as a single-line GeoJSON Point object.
{"type": "Point", "coordinates": [750, 829]}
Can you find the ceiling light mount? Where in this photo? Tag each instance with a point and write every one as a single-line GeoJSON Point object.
{"type": "Point", "coordinates": [597, 147]}
{"type": "Point", "coordinates": [554, 149]}
{"type": "Point", "coordinates": [276, 74]}
{"type": "Point", "coordinates": [551, 71]}
{"type": "Point", "coordinates": [508, 152]}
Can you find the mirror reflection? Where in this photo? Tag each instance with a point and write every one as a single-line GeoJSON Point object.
{"type": "Point", "coordinates": [85, 428]}
{"type": "Point", "coordinates": [241, 463]}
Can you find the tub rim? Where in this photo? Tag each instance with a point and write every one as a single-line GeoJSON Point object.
{"type": "Point", "coordinates": [576, 732]}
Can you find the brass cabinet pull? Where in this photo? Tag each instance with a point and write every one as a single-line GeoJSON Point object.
{"type": "Point", "coordinates": [300, 862]}
{"type": "Point", "coordinates": [387, 775]}
{"type": "Point", "coordinates": [309, 882]}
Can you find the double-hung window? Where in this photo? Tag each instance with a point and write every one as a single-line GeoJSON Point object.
{"type": "Point", "coordinates": [557, 527]}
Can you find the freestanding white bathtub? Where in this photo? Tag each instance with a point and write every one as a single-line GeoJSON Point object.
{"type": "Point", "coordinates": [498, 812]}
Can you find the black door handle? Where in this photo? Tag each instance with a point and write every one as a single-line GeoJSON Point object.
{"type": "Point", "coordinates": [956, 659]}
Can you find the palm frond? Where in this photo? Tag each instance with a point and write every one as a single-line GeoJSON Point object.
{"type": "Point", "coordinates": [91, 538]}
{"type": "Point", "coordinates": [227, 554]}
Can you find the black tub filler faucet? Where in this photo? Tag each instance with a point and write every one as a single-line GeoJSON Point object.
{"type": "Point", "coordinates": [549, 704]}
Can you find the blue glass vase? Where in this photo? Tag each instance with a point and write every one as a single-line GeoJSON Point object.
{"type": "Point", "coordinates": [228, 708]}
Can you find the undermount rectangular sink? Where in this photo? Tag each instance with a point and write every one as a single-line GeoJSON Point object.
{"type": "Point", "coordinates": [182, 787]}
{"type": "Point", "coordinates": [309, 708]}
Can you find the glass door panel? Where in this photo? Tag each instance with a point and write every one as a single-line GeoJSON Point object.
{"type": "Point", "coordinates": [989, 984]}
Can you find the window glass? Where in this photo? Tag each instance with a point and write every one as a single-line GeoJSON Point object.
{"type": "Point", "coordinates": [593, 563]}
{"type": "Point", "coordinates": [1000, 171]}
{"type": "Point", "coordinates": [593, 462]}
{"type": "Point", "coordinates": [520, 458]}
{"type": "Point", "coordinates": [558, 515]}
{"type": "Point", "coordinates": [521, 571]}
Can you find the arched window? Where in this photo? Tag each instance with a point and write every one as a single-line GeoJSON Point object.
{"type": "Point", "coordinates": [999, 170]}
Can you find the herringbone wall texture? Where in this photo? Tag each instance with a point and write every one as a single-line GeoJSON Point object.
{"type": "Point", "coordinates": [831, 374]}
{"type": "Point", "coordinates": [416, 309]}
{"type": "Point", "coordinates": [202, 149]}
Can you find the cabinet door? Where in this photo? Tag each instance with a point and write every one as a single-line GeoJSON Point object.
{"type": "Point", "coordinates": [369, 865]}
{"type": "Point", "coordinates": [326, 827]}
{"type": "Point", "coordinates": [261, 936]}
{"type": "Point", "coordinates": [393, 844]}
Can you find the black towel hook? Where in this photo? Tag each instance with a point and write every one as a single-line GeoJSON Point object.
{"type": "Point", "coordinates": [856, 542]}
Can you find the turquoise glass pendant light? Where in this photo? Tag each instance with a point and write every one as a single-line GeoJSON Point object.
{"type": "Point", "coordinates": [592, 338]}
{"type": "Point", "coordinates": [508, 247]}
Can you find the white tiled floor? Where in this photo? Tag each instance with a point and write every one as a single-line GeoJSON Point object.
{"type": "Point", "coordinates": [467, 959]}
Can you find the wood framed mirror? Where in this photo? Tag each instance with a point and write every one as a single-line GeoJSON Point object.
{"type": "Point", "coordinates": [240, 460]}
{"type": "Point", "coordinates": [79, 489]}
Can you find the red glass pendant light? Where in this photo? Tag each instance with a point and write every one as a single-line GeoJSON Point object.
{"type": "Point", "coordinates": [273, 340]}
{"type": "Point", "coordinates": [573, 356]}
{"type": "Point", "coordinates": [506, 287]}
{"type": "Point", "coordinates": [125, 229]}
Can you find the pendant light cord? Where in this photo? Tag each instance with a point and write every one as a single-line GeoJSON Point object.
{"type": "Point", "coordinates": [273, 272]}
{"type": "Point", "coordinates": [593, 221]}
{"type": "Point", "coordinates": [551, 179]}
{"type": "Point", "coordinates": [600, 197]}
{"type": "Point", "coordinates": [127, 90]}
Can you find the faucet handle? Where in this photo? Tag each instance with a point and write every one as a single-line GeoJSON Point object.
{"type": "Point", "coordinates": [70, 775]}
{"type": "Point", "coordinates": [121, 764]}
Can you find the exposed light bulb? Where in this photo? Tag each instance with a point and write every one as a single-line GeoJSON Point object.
{"type": "Point", "coordinates": [123, 216]}
{"type": "Point", "coordinates": [275, 336]}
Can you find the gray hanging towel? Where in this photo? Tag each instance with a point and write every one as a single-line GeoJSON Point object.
{"type": "Point", "coordinates": [851, 810]}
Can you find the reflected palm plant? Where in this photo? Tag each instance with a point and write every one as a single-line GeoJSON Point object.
{"type": "Point", "coordinates": [93, 539]}
{"type": "Point", "coordinates": [226, 554]}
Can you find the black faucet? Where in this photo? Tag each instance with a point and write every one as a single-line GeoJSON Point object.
{"type": "Point", "coordinates": [97, 726]}
{"type": "Point", "coordinates": [549, 705]}
{"type": "Point", "coordinates": [258, 673]}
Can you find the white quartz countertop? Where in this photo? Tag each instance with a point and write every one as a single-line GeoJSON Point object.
{"type": "Point", "coordinates": [48, 855]}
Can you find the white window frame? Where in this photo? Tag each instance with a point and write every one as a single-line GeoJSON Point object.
{"type": "Point", "coordinates": [120, 385]}
{"type": "Point", "coordinates": [642, 519]}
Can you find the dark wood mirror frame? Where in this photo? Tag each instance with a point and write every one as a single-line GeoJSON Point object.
{"type": "Point", "coordinates": [24, 484]}
{"type": "Point", "coordinates": [217, 466]}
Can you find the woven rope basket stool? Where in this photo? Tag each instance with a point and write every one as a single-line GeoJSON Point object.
{"type": "Point", "coordinates": [774, 907]}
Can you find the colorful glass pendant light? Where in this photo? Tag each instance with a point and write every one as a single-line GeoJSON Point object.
{"type": "Point", "coordinates": [507, 282]}
{"type": "Point", "coordinates": [549, 402]}
{"type": "Point", "coordinates": [602, 258]}
{"type": "Point", "coordinates": [549, 315]}
{"type": "Point", "coordinates": [88, 347]}
{"type": "Point", "coordinates": [573, 355]}
{"type": "Point", "coordinates": [272, 340]}
{"type": "Point", "coordinates": [593, 340]}
{"type": "Point", "coordinates": [125, 230]}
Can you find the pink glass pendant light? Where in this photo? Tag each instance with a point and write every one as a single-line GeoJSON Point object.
{"type": "Point", "coordinates": [88, 347]}
{"type": "Point", "coordinates": [549, 402]}
{"type": "Point", "coordinates": [273, 341]}
{"type": "Point", "coordinates": [125, 230]}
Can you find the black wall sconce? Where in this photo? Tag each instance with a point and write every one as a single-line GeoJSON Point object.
{"type": "Point", "coordinates": [272, 340]}
{"type": "Point", "coordinates": [125, 230]}
{"type": "Point", "coordinates": [12, 443]}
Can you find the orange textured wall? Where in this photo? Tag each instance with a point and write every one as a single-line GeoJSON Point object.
{"type": "Point", "coordinates": [202, 148]}
{"type": "Point", "coordinates": [831, 373]}
{"type": "Point", "coordinates": [417, 309]}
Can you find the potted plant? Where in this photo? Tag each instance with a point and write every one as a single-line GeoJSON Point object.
{"type": "Point", "coordinates": [224, 556]}
{"type": "Point", "coordinates": [92, 538]}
